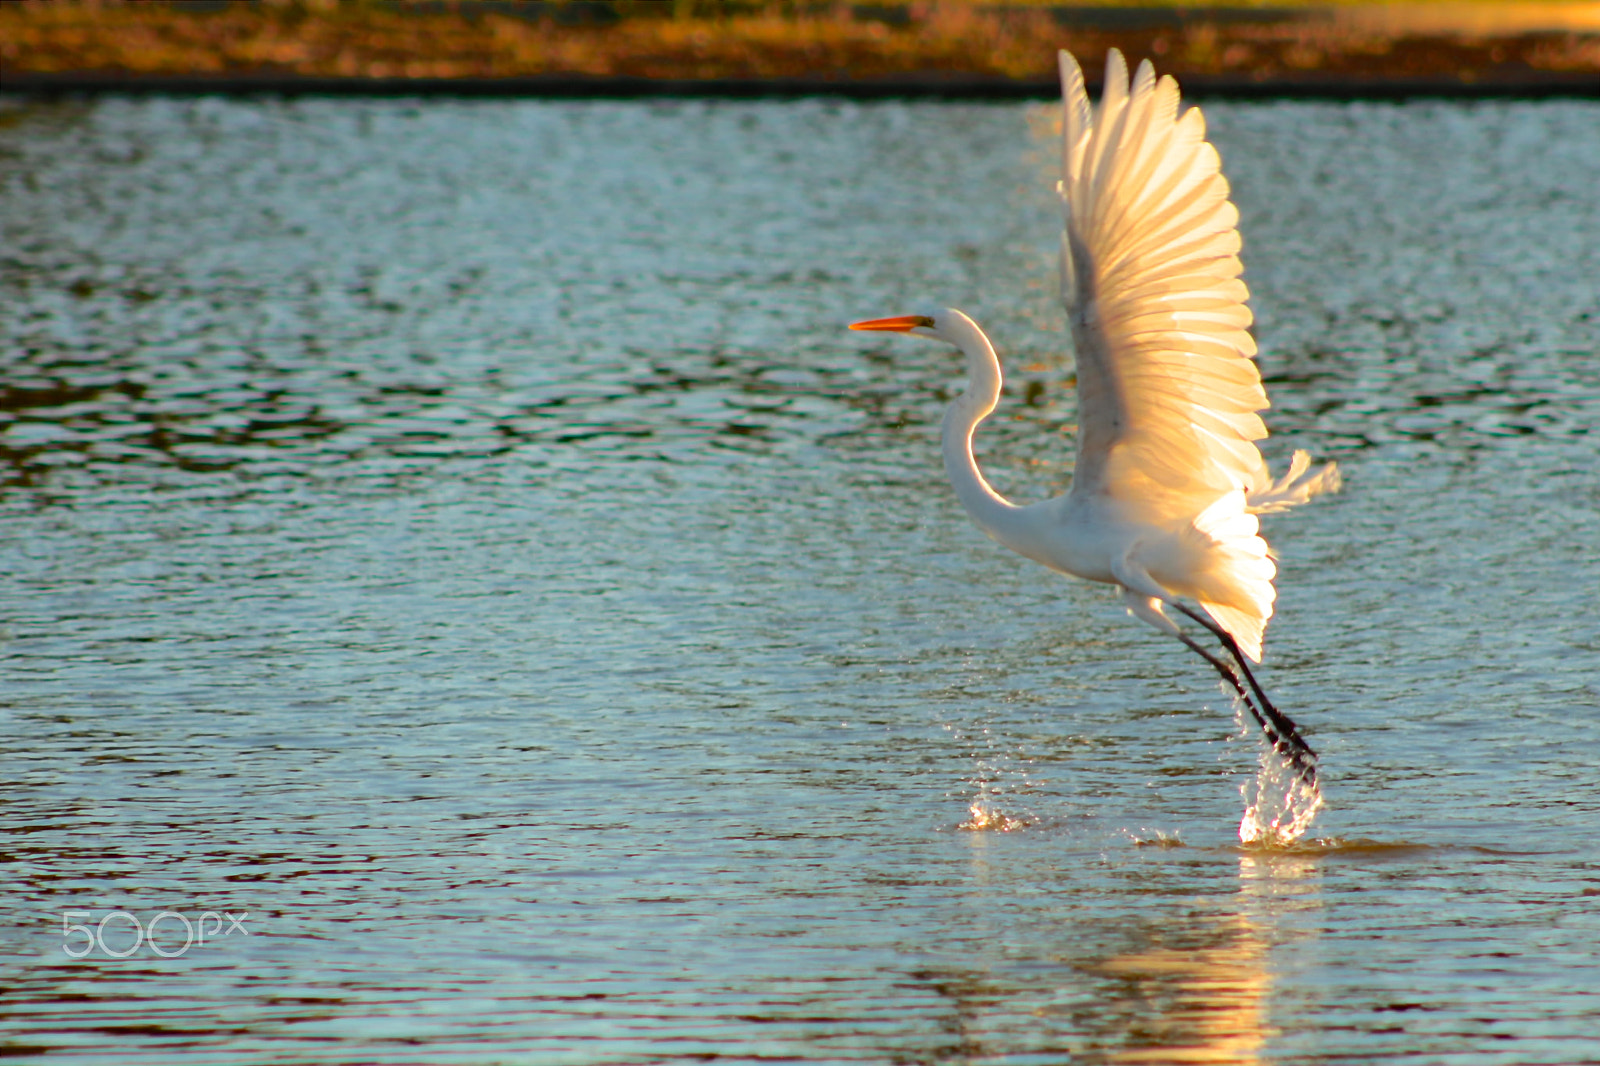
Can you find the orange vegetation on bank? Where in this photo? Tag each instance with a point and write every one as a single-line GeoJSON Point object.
{"type": "Point", "coordinates": [369, 40]}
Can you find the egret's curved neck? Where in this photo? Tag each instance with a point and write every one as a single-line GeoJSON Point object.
{"type": "Point", "coordinates": [993, 513]}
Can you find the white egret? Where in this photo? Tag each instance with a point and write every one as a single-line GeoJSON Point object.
{"type": "Point", "coordinates": [1168, 480]}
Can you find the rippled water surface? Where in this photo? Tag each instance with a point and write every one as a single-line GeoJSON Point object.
{"type": "Point", "coordinates": [462, 537]}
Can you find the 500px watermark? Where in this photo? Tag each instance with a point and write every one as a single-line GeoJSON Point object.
{"type": "Point", "coordinates": [120, 934]}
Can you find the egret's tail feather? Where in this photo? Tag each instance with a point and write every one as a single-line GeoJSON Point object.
{"type": "Point", "coordinates": [1247, 626]}
{"type": "Point", "coordinates": [1232, 578]}
{"type": "Point", "coordinates": [1294, 487]}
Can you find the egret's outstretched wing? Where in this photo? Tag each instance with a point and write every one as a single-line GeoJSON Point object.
{"type": "Point", "coordinates": [1167, 389]}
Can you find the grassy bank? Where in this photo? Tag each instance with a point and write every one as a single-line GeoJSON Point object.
{"type": "Point", "coordinates": [686, 41]}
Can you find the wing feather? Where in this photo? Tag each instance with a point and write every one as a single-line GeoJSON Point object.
{"type": "Point", "coordinates": [1168, 393]}
{"type": "Point", "coordinates": [1169, 397]}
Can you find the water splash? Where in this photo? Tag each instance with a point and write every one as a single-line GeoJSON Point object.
{"type": "Point", "coordinates": [1279, 806]}
{"type": "Point", "coordinates": [985, 817]}
{"type": "Point", "coordinates": [999, 770]}
{"type": "Point", "coordinates": [1155, 838]}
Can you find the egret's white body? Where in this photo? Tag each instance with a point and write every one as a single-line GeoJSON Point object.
{"type": "Point", "coordinates": [1168, 480]}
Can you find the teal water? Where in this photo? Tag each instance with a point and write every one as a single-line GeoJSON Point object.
{"type": "Point", "coordinates": [462, 538]}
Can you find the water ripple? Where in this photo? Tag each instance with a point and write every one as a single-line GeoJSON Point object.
{"type": "Point", "coordinates": [463, 537]}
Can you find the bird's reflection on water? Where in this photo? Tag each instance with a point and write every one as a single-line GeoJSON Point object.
{"type": "Point", "coordinates": [1202, 993]}
{"type": "Point", "coordinates": [1194, 995]}
{"type": "Point", "coordinates": [1196, 987]}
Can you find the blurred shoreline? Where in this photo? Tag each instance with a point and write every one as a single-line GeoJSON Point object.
{"type": "Point", "coordinates": [975, 50]}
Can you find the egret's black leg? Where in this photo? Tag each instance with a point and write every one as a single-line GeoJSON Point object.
{"type": "Point", "coordinates": [1231, 678]}
{"type": "Point", "coordinates": [1285, 738]}
{"type": "Point", "coordinates": [1287, 747]}
{"type": "Point", "coordinates": [1238, 656]}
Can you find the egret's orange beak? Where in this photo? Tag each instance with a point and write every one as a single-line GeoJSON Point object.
{"type": "Point", "coordinates": [901, 324]}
